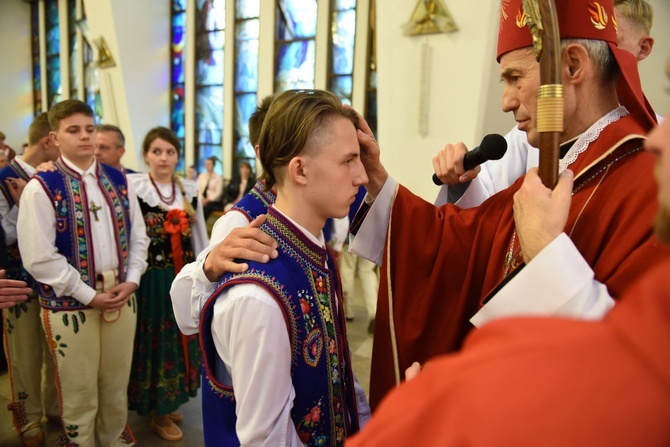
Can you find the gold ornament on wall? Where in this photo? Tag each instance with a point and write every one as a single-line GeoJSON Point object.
{"type": "Point", "coordinates": [429, 17]}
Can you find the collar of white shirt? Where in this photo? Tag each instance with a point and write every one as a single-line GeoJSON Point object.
{"type": "Point", "coordinates": [91, 170]}
{"type": "Point", "coordinates": [320, 241]}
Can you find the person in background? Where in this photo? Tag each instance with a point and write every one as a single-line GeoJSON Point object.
{"type": "Point", "coordinates": [26, 347]}
{"type": "Point", "coordinates": [110, 147]}
{"type": "Point", "coordinates": [192, 173]}
{"type": "Point", "coordinates": [549, 381]}
{"type": "Point", "coordinates": [83, 240]}
{"type": "Point", "coordinates": [166, 364]}
{"type": "Point", "coordinates": [276, 357]}
{"type": "Point", "coordinates": [239, 186]}
{"type": "Point", "coordinates": [210, 188]}
{"type": "Point", "coordinates": [5, 150]}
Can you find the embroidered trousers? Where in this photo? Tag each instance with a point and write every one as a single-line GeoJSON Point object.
{"type": "Point", "coordinates": [28, 358]}
{"type": "Point", "coordinates": [350, 266]}
{"type": "Point", "coordinates": [93, 352]}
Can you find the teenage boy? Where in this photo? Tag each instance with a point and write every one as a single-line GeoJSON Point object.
{"type": "Point", "coordinates": [82, 237]}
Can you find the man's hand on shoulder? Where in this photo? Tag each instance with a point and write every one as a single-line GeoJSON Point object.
{"type": "Point", "coordinates": [541, 214]}
{"type": "Point", "coordinates": [448, 165]}
{"type": "Point", "coordinates": [47, 166]}
{"type": "Point", "coordinates": [248, 243]}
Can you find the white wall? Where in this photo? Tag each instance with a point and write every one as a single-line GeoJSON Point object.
{"type": "Point", "coordinates": [16, 92]}
{"type": "Point", "coordinates": [462, 99]}
{"type": "Point", "coordinates": [652, 70]}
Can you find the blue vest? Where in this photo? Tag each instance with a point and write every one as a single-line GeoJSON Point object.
{"type": "Point", "coordinates": [14, 265]}
{"type": "Point", "coordinates": [324, 409]}
{"type": "Point", "coordinates": [67, 192]}
{"type": "Point", "coordinates": [255, 202]}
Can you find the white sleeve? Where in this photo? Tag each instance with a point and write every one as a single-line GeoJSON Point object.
{"type": "Point", "coordinates": [252, 341]}
{"type": "Point", "coordinates": [139, 241]}
{"type": "Point", "coordinates": [8, 218]}
{"type": "Point", "coordinates": [37, 242]}
{"type": "Point", "coordinates": [191, 288]}
{"type": "Point", "coordinates": [558, 282]}
{"type": "Point", "coordinates": [370, 239]}
{"type": "Point", "coordinates": [340, 232]}
{"type": "Point", "coordinates": [199, 234]}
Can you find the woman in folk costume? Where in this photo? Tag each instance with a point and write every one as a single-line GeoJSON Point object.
{"type": "Point", "coordinates": [166, 364]}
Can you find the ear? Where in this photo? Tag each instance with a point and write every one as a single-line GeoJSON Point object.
{"type": "Point", "coordinates": [123, 150]}
{"type": "Point", "coordinates": [44, 142]}
{"type": "Point", "coordinates": [297, 170]}
{"type": "Point", "coordinates": [53, 136]}
{"type": "Point", "coordinates": [576, 64]}
{"type": "Point", "coordinates": [646, 45]}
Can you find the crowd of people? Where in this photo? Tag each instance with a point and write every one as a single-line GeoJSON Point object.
{"type": "Point", "coordinates": [508, 313]}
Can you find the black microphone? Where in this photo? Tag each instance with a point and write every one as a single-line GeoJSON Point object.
{"type": "Point", "coordinates": [492, 147]}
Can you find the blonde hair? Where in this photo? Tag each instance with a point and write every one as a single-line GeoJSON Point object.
{"type": "Point", "coordinates": [639, 11]}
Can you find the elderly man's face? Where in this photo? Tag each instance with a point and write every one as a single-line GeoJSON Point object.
{"type": "Point", "coordinates": [659, 144]}
{"type": "Point", "coordinates": [521, 74]}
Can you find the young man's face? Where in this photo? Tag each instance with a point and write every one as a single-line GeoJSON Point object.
{"type": "Point", "coordinates": [336, 171]}
{"type": "Point", "coordinates": [659, 144]}
{"type": "Point", "coordinates": [75, 137]}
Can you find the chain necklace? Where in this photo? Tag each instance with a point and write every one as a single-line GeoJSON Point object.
{"type": "Point", "coordinates": [167, 200]}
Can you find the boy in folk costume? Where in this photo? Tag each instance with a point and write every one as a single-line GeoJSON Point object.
{"type": "Point", "coordinates": [82, 237]}
{"type": "Point", "coordinates": [274, 344]}
{"type": "Point", "coordinates": [25, 345]}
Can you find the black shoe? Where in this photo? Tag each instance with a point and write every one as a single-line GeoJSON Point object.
{"type": "Point", "coordinates": [371, 327]}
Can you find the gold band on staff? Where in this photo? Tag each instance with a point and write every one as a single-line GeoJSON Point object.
{"type": "Point", "coordinates": [550, 108]}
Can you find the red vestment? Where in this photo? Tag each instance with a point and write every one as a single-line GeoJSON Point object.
{"type": "Point", "coordinates": [544, 381]}
{"type": "Point", "coordinates": [440, 263]}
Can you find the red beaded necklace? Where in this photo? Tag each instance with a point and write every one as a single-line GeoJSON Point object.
{"type": "Point", "coordinates": [167, 200]}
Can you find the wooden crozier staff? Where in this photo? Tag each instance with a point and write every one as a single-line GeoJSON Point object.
{"type": "Point", "coordinates": [543, 23]}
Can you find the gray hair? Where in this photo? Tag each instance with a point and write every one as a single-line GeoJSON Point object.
{"type": "Point", "coordinates": [600, 54]}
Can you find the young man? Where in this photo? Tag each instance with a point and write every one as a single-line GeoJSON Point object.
{"type": "Point", "coordinates": [82, 238]}
{"type": "Point", "coordinates": [550, 382]}
{"type": "Point", "coordinates": [26, 347]}
{"type": "Point", "coordinates": [459, 256]}
{"type": "Point", "coordinates": [110, 146]}
{"type": "Point", "coordinates": [274, 338]}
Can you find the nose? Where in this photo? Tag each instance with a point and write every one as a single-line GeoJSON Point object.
{"type": "Point", "coordinates": [361, 177]}
{"type": "Point", "coordinates": [510, 99]}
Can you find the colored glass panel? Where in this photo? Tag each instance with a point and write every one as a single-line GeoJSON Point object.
{"type": "Point", "coordinates": [209, 76]}
{"type": "Point", "coordinates": [54, 92]}
{"type": "Point", "coordinates": [245, 106]}
{"type": "Point", "coordinates": [35, 53]}
{"type": "Point", "coordinates": [247, 9]}
{"type": "Point", "coordinates": [342, 86]}
{"type": "Point", "coordinates": [344, 34]}
{"type": "Point", "coordinates": [297, 19]}
{"type": "Point", "coordinates": [178, 86]}
{"type": "Point", "coordinates": [246, 56]}
{"type": "Point", "coordinates": [344, 4]}
{"type": "Point", "coordinates": [73, 48]}
{"type": "Point", "coordinates": [295, 65]}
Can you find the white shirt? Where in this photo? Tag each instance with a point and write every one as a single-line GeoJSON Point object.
{"type": "Point", "coordinates": [212, 183]}
{"type": "Point", "coordinates": [146, 191]}
{"type": "Point", "coordinates": [250, 336]}
{"type": "Point", "coordinates": [9, 216]}
{"type": "Point", "coordinates": [37, 238]}
{"type": "Point", "coordinates": [191, 288]}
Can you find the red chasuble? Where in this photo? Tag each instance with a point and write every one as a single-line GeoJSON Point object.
{"type": "Point", "coordinates": [544, 381]}
{"type": "Point", "coordinates": [440, 263]}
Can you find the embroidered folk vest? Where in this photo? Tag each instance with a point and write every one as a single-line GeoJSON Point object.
{"type": "Point", "coordinates": [324, 409]}
{"type": "Point", "coordinates": [67, 192]}
{"type": "Point", "coordinates": [256, 202]}
{"type": "Point", "coordinates": [14, 265]}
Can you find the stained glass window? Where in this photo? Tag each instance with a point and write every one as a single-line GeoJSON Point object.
{"type": "Point", "coordinates": [295, 44]}
{"type": "Point", "coordinates": [246, 78]}
{"type": "Point", "coordinates": [209, 47]}
{"type": "Point", "coordinates": [35, 52]}
{"type": "Point", "coordinates": [343, 36]}
{"type": "Point", "coordinates": [91, 83]}
{"type": "Point", "coordinates": [371, 84]}
{"type": "Point", "coordinates": [178, 31]}
{"type": "Point", "coordinates": [73, 48]}
{"type": "Point", "coordinates": [54, 90]}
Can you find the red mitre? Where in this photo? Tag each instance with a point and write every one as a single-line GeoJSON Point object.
{"type": "Point", "coordinates": [580, 19]}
